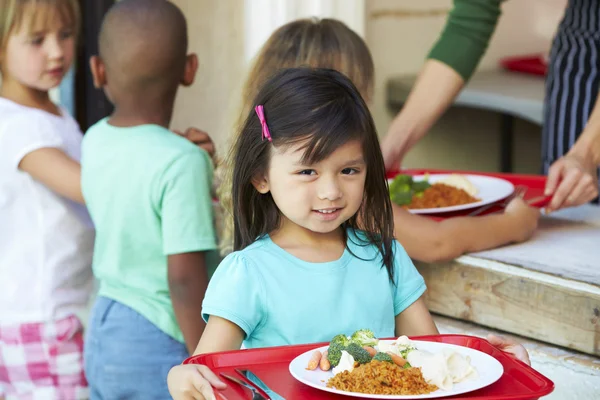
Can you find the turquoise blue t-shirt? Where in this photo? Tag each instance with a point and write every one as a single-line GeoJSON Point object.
{"type": "Point", "coordinates": [278, 299]}
{"type": "Point", "coordinates": [148, 193]}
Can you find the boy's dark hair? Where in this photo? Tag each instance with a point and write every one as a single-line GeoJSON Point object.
{"type": "Point", "coordinates": [323, 108]}
{"type": "Point", "coordinates": [143, 44]}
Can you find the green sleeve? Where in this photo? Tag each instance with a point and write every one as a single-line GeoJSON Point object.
{"type": "Point", "coordinates": [186, 205]}
{"type": "Point", "coordinates": [465, 37]}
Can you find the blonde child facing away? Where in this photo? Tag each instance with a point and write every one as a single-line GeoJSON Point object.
{"type": "Point", "coordinates": [328, 43]}
{"type": "Point", "coordinates": [312, 209]}
{"type": "Point", "coordinates": [46, 238]}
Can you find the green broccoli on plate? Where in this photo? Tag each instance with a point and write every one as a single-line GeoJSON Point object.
{"type": "Point", "coordinates": [359, 354]}
{"type": "Point", "coordinates": [403, 188]}
{"type": "Point", "coordinates": [383, 357]}
{"type": "Point", "coordinates": [364, 337]}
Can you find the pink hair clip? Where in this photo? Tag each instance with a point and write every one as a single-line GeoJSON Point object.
{"type": "Point", "coordinates": [260, 111]}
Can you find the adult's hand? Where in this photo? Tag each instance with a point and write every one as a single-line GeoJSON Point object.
{"type": "Point", "coordinates": [433, 92]}
{"type": "Point", "coordinates": [572, 181]}
{"type": "Point", "coordinates": [396, 144]}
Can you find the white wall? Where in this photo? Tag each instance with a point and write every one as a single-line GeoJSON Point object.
{"type": "Point", "coordinates": [216, 32]}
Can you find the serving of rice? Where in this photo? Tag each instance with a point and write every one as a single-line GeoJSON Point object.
{"type": "Point", "coordinates": [380, 377]}
{"type": "Point", "coordinates": [441, 195]}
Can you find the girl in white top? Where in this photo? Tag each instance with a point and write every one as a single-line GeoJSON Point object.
{"type": "Point", "coordinates": [46, 237]}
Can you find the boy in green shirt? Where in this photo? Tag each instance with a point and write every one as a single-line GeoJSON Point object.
{"type": "Point", "coordinates": [148, 191]}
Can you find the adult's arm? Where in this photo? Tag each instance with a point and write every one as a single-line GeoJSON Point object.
{"type": "Point", "coordinates": [450, 64]}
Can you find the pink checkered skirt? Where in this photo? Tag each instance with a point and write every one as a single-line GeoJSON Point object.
{"type": "Point", "coordinates": [43, 361]}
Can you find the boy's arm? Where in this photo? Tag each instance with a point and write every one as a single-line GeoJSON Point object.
{"type": "Point", "coordinates": [56, 170]}
{"type": "Point", "coordinates": [184, 200]}
{"type": "Point", "coordinates": [188, 281]}
{"type": "Point", "coordinates": [430, 241]}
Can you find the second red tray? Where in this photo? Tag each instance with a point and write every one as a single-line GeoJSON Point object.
{"type": "Point", "coordinates": [519, 381]}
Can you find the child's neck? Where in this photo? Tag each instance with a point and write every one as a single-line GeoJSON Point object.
{"type": "Point", "coordinates": [28, 97]}
{"type": "Point", "coordinates": [133, 113]}
{"type": "Point", "coordinates": [308, 245]}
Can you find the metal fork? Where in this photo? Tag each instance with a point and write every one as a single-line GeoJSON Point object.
{"type": "Point", "coordinates": [255, 394]}
{"type": "Point", "coordinates": [520, 191]}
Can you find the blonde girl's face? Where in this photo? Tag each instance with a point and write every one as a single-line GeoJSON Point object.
{"type": "Point", "coordinates": [38, 57]}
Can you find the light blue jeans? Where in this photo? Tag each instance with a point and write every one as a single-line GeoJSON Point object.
{"type": "Point", "coordinates": [126, 356]}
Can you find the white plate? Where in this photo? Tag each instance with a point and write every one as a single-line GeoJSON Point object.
{"type": "Point", "coordinates": [489, 190]}
{"type": "Point", "coordinates": [488, 368]}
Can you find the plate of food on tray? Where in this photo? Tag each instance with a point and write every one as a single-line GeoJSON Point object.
{"type": "Point", "coordinates": [439, 193]}
{"type": "Point", "coordinates": [363, 366]}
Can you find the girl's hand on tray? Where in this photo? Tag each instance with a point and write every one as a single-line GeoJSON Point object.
{"type": "Point", "coordinates": [193, 382]}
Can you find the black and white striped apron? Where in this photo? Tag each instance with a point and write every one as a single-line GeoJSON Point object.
{"type": "Point", "coordinates": [573, 79]}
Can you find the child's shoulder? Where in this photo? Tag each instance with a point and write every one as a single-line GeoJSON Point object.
{"type": "Point", "coordinates": [249, 255]}
{"type": "Point", "coordinates": [12, 114]}
{"type": "Point", "coordinates": [153, 141]}
{"type": "Point", "coordinates": [20, 124]}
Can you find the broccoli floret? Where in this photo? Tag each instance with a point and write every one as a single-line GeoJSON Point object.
{"type": "Point", "coordinates": [404, 350]}
{"type": "Point", "coordinates": [420, 186]}
{"type": "Point", "coordinates": [359, 354]}
{"type": "Point", "coordinates": [341, 340]}
{"type": "Point", "coordinates": [383, 357]}
{"type": "Point", "coordinates": [401, 180]}
{"type": "Point", "coordinates": [364, 337]}
{"type": "Point", "coordinates": [401, 198]}
{"type": "Point", "coordinates": [334, 353]}
{"type": "Point", "coordinates": [407, 365]}
{"type": "Point", "coordinates": [401, 190]}
{"type": "Point", "coordinates": [337, 344]}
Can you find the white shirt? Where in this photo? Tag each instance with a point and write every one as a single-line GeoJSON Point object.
{"type": "Point", "coordinates": [46, 240]}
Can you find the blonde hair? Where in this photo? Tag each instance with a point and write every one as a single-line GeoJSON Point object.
{"type": "Point", "coordinates": [317, 43]}
{"type": "Point", "coordinates": [15, 13]}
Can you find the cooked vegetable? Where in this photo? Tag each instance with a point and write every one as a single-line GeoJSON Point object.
{"type": "Point", "coordinates": [420, 186]}
{"type": "Point", "coordinates": [337, 344]}
{"type": "Point", "coordinates": [334, 353]}
{"type": "Point", "coordinates": [324, 364]}
{"type": "Point", "coordinates": [340, 339]}
{"type": "Point", "coordinates": [399, 361]}
{"type": "Point", "coordinates": [364, 337]}
{"type": "Point", "coordinates": [403, 188]}
{"type": "Point", "coordinates": [359, 354]}
{"type": "Point", "coordinates": [383, 357]}
{"type": "Point", "coordinates": [371, 350]}
{"type": "Point", "coordinates": [402, 198]}
{"type": "Point", "coordinates": [315, 358]}
{"type": "Point", "coordinates": [405, 349]}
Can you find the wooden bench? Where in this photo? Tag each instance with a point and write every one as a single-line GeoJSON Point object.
{"type": "Point", "coordinates": [546, 289]}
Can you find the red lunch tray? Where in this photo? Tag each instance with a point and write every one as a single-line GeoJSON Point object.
{"type": "Point", "coordinates": [519, 381]}
{"type": "Point", "coordinates": [535, 64]}
{"type": "Point", "coordinates": [535, 185]}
